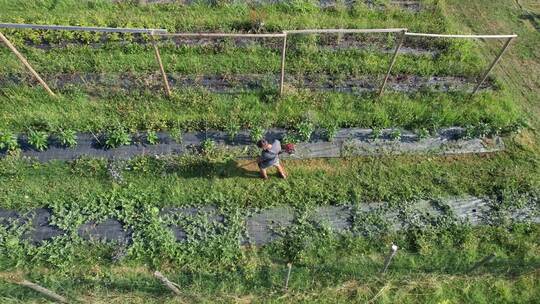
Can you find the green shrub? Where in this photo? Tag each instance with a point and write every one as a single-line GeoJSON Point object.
{"type": "Point", "coordinates": [257, 133]}
{"type": "Point", "coordinates": [290, 138]}
{"type": "Point", "coordinates": [208, 146]}
{"type": "Point", "coordinates": [330, 130]}
{"type": "Point", "coordinates": [117, 137]}
{"type": "Point", "coordinates": [8, 141]}
{"type": "Point", "coordinates": [305, 130]}
{"type": "Point", "coordinates": [176, 134]}
{"type": "Point", "coordinates": [395, 134]}
{"type": "Point", "coordinates": [422, 133]}
{"type": "Point", "coordinates": [152, 137]}
{"type": "Point", "coordinates": [232, 130]}
{"type": "Point", "coordinates": [38, 139]}
{"type": "Point", "coordinates": [375, 133]}
{"type": "Point", "coordinates": [67, 138]}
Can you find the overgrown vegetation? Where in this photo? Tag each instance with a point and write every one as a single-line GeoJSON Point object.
{"type": "Point", "coordinates": [434, 259]}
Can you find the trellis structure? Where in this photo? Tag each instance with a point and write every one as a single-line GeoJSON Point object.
{"type": "Point", "coordinates": [163, 33]}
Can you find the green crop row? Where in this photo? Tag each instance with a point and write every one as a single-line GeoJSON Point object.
{"type": "Point", "coordinates": [195, 110]}
{"type": "Point", "coordinates": [337, 270]}
{"type": "Point", "coordinates": [457, 61]}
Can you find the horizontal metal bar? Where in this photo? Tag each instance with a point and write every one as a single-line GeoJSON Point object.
{"type": "Point", "coordinates": [462, 36]}
{"type": "Point", "coordinates": [81, 28]}
{"type": "Point", "coordinates": [220, 35]}
{"type": "Point", "coordinates": [323, 31]}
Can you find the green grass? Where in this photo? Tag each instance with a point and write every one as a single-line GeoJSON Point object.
{"type": "Point", "coordinates": [252, 60]}
{"type": "Point", "coordinates": [200, 110]}
{"type": "Point", "coordinates": [193, 180]}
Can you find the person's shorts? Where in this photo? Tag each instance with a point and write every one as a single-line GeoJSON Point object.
{"type": "Point", "coordinates": [272, 164]}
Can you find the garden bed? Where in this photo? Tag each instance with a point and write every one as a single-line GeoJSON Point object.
{"type": "Point", "coordinates": [346, 142]}
{"type": "Point", "coordinates": [261, 227]}
{"type": "Point", "coordinates": [242, 83]}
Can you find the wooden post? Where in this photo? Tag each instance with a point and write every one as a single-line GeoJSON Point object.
{"type": "Point", "coordinates": [161, 68]}
{"type": "Point", "coordinates": [485, 260]}
{"type": "Point", "coordinates": [44, 291]}
{"type": "Point", "coordinates": [393, 251]}
{"type": "Point", "coordinates": [26, 64]}
{"type": "Point", "coordinates": [283, 53]}
{"type": "Point", "coordinates": [396, 51]}
{"type": "Point", "coordinates": [484, 77]}
{"type": "Point", "coordinates": [167, 283]}
{"type": "Point", "coordinates": [289, 267]}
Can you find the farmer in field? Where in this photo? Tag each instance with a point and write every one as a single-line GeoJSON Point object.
{"type": "Point", "coordinates": [270, 157]}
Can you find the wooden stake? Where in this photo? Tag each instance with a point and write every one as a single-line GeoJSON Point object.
{"type": "Point", "coordinates": [26, 64]}
{"type": "Point", "coordinates": [396, 51]}
{"type": "Point", "coordinates": [485, 260]}
{"type": "Point", "coordinates": [167, 283]}
{"type": "Point", "coordinates": [393, 251]}
{"type": "Point", "coordinates": [161, 68]}
{"type": "Point", "coordinates": [493, 64]}
{"type": "Point", "coordinates": [283, 53]}
{"type": "Point", "coordinates": [44, 291]}
{"type": "Point", "coordinates": [289, 267]}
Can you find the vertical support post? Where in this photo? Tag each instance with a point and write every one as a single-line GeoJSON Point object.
{"type": "Point", "coordinates": [484, 77]}
{"type": "Point", "coordinates": [161, 68]}
{"type": "Point", "coordinates": [283, 54]}
{"type": "Point", "coordinates": [26, 64]}
{"type": "Point", "coordinates": [393, 251]}
{"type": "Point", "coordinates": [396, 51]}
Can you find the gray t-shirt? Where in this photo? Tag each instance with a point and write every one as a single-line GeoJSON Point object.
{"type": "Point", "coordinates": [270, 157]}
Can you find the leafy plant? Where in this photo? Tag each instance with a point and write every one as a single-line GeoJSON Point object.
{"type": "Point", "coordinates": [208, 146]}
{"type": "Point", "coordinates": [480, 130]}
{"type": "Point", "coordinates": [152, 137]}
{"type": "Point", "coordinates": [290, 138]}
{"type": "Point", "coordinates": [422, 133]}
{"type": "Point", "coordinates": [330, 130]}
{"type": "Point", "coordinates": [8, 141]}
{"type": "Point", "coordinates": [305, 130]}
{"type": "Point", "coordinates": [395, 134]}
{"type": "Point", "coordinates": [176, 134]}
{"type": "Point", "coordinates": [376, 133]}
{"type": "Point", "coordinates": [67, 138]}
{"type": "Point", "coordinates": [38, 139]}
{"type": "Point", "coordinates": [257, 133]}
{"type": "Point", "coordinates": [232, 130]}
{"type": "Point", "coordinates": [117, 137]}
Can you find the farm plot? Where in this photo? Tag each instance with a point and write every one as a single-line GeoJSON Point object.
{"type": "Point", "coordinates": [108, 224]}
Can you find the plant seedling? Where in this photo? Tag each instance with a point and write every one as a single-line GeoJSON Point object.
{"type": "Point", "coordinates": [257, 133]}
{"type": "Point", "coordinates": [67, 138]}
{"type": "Point", "coordinates": [152, 137]}
{"type": "Point", "coordinates": [176, 134]}
{"type": "Point", "coordinates": [305, 129]}
{"type": "Point", "coordinates": [232, 130]}
{"type": "Point", "coordinates": [395, 134]}
{"type": "Point", "coordinates": [117, 137]}
{"type": "Point", "coordinates": [8, 141]}
{"type": "Point", "coordinates": [375, 133]}
{"type": "Point", "coordinates": [208, 146]}
{"type": "Point", "coordinates": [422, 133]}
{"type": "Point", "coordinates": [330, 131]}
{"type": "Point", "coordinates": [38, 139]}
